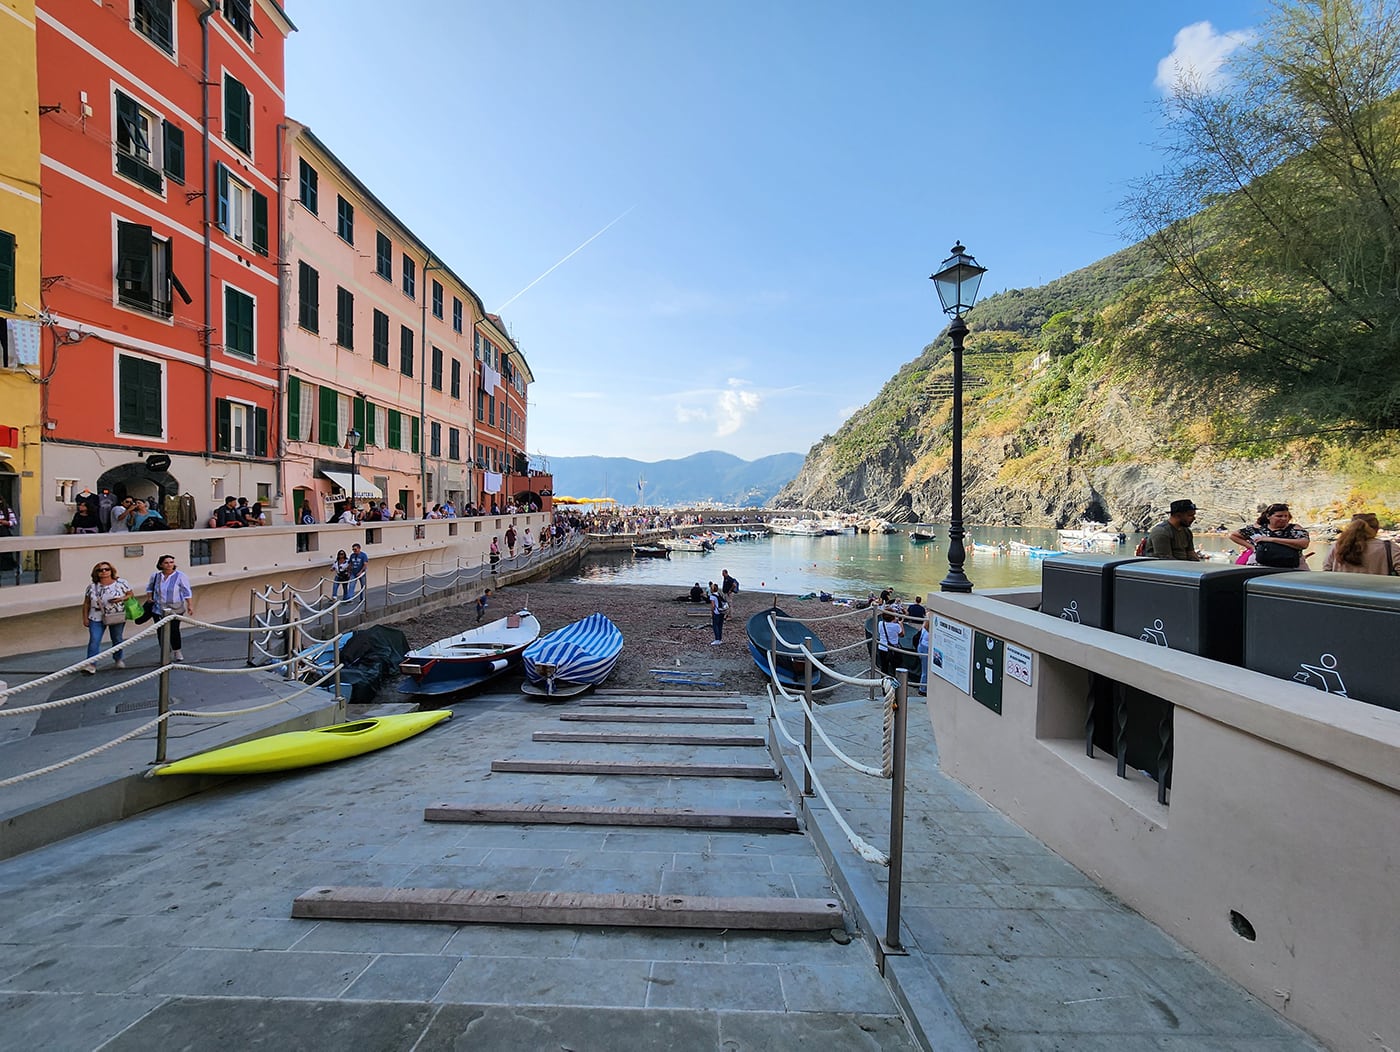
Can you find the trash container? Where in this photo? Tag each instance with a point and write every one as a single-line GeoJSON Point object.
{"type": "Point", "coordinates": [1079, 588]}
{"type": "Point", "coordinates": [1326, 630]}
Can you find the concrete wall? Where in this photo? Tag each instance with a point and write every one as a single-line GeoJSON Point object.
{"type": "Point", "coordinates": [39, 616]}
{"type": "Point", "coordinates": [1284, 808]}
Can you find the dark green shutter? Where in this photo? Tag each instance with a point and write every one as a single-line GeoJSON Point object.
{"type": "Point", "coordinates": [139, 408]}
{"type": "Point", "coordinates": [259, 223]}
{"type": "Point", "coordinates": [416, 435]}
{"type": "Point", "coordinates": [7, 270]}
{"type": "Point", "coordinates": [174, 151]}
{"type": "Point", "coordinates": [238, 322]}
{"type": "Point", "coordinates": [381, 338]}
{"type": "Point", "coordinates": [395, 429]}
{"type": "Point", "coordinates": [236, 114]}
{"type": "Point", "coordinates": [369, 422]}
{"type": "Point", "coordinates": [221, 196]}
{"type": "Point", "coordinates": [293, 409]}
{"type": "Point", "coordinates": [259, 432]}
{"type": "Point", "coordinates": [329, 418]}
{"type": "Point", "coordinates": [134, 285]}
{"type": "Point", "coordinates": [358, 412]}
{"type": "Point", "coordinates": [223, 425]}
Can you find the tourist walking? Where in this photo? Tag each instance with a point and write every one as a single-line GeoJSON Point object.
{"type": "Point", "coordinates": [104, 610]}
{"type": "Point", "coordinates": [1173, 539]}
{"type": "Point", "coordinates": [1358, 550]}
{"type": "Point", "coordinates": [1275, 538]}
{"type": "Point", "coordinates": [169, 592]}
{"type": "Point", "coordinates": [340, 575]}
{"type": "Point", "coordinates": [718, 606]}
{"type": "Point", "coordinates": [527, 543]}
{"type": "Point", "coordinates": [728, 585]}
{"type": "Point", "coordinates": [495, 553]}
{"type": "Point", "coordinates": [510, 540]}
{"type": "Point", "coordinates": [358, 561]}
{"type": "Point", "coordinates": [890, 632]}
{"type": "Point", "coordinates": [482, 602]}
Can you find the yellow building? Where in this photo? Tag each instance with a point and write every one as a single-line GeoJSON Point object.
{"type": "Point", "coordinates": [20, 422]}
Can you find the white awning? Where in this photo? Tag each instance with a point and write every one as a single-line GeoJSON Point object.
{"type": "Point", "coordinates": [363, 486]}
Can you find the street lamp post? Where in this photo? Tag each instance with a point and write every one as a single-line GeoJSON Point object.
{"type": "Point", "coordinates": [957, 281]}
{"type": "Point", "coordinates": [352, 443]}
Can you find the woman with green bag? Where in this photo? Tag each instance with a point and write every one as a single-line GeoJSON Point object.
{"type": "Point", "coordinates": [104, 611]}
{"type": "Point", "coordinates": [169, 592]}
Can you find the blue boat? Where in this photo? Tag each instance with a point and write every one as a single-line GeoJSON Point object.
{"type": "Point", "coordinates": [572, 659]}
{"type": "Point", "coordinates": [470, 658]}
{"type": "Point", "coordinates": [787, 652]}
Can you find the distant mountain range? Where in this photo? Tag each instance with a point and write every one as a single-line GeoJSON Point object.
{"type": "Point", "coordinates": [721, 478]}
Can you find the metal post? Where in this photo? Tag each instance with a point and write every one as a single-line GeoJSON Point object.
{"type": "Point", "coordinates": [874, 646]}
{"type": "Point", "coordinates": [901, 723]}
{"type": "Point", "coordinates": [423, 583]}
{"type": "Point", "coordinates": [293, 649]}
{"type": "Point", "coordinates": [252, 621]}
{"type": "Point", "coordinates": [806, 718]}
{"type": "Point", "coordinates": [162, 731]}
{"type": "Point", "coordinates": [335, 653]}
{"type": "Point", "coordinates": [957, 581]}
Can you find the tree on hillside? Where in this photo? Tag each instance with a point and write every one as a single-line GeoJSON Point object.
{"type": "Point", "coordinates": [1277, 216]}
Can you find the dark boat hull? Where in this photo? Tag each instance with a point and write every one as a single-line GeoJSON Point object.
{"type": "Point", "coordinates": [787, 659]}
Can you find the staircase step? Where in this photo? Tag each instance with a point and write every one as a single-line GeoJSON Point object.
{"type": "Point", "coordinates": [621, 738]}
{"type": "Point", "coordinates": [667, 770]}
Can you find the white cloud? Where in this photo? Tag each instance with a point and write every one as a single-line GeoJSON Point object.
{"type": "Point", "coordinates": [736, 404]}
{"type": "Point", "coordinates": [1198, 57]}
{"type": "Point", "coordinates": [689, 414]}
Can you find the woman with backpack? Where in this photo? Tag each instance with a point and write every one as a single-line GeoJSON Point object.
{"type": "Point", "coordinates": [718, 608]}
{"type": "Point", "coordinates": [1275, 539]}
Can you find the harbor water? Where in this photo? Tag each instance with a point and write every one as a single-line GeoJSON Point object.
{"type": "Point", "coordinates": [850, 564]}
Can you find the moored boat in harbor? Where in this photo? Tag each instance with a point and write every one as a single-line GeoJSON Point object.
{"type": "Point", "coordinates": [469, 658]}
{"type": "Point", "coordinates": [786, 651]}
{"type": "Point", "coordinates": [572, 659]}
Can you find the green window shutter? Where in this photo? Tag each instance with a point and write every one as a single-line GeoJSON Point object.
{"type": "Point", "coordinates": [7, 270]}
{"type": "Point", "coordinates": [259, 223]}
{"type": "Point", "coordinates": [259, 432]}
{"type": "Point", "coordinates": [395, 429]}
{"type": "Point", "coordinates": [381, 338]}
{"type": "Point", "coordinates": [328, 419]}
{"type": "Point", "coordinates": [221, 189]}
{"type": "Point", "coordinates": [223, 425]}
{"type": "Point", "coordinates": [238, 322]}
{"type": "Point", "coordinates": [358, 410]}
{"type": "Point", "coordinates": [174, 151]}
{"type": "Point", "coordinates": [237, 106]}
{"type": "Point", "coordinates": [139, 407]}
{"type": "Point", "coordinates": [369, 422]}
{"type": "Point", "coordinates": [293, 408]}
{"type": "Point", "coordinates": [417, 436]}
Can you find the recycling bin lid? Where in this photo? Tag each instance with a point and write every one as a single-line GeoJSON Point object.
{"type": "Point", "coordinates": [1370, 591]}
{"type": "Point", "coordinates": [1092, 561]}
{"type": "Point", "coordinates": [1183, 572]}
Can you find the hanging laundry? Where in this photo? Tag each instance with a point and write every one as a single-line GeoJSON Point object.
{"type": "Point", "coordinates": [491, 482]}
{"type": "Point", "coordinates": [24, 341]}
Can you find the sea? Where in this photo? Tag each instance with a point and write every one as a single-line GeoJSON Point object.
{"type": "Point", "coordinates": [850, 564]}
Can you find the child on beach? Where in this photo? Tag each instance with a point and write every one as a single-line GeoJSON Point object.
{"type": "Point", "coordinates": [482, 602]}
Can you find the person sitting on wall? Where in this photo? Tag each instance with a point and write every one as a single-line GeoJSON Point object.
{"type": "Point", "coordinates": [227, 517]}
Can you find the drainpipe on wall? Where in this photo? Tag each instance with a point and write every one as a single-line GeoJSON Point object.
{"type": "Point", "coordinates": [208, 241]}
{"type": "Point", "coordinates": [279, 397]}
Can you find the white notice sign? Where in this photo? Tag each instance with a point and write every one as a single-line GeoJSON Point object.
{"type": "Point", "coordinates": [1018, 663]}
{"type": "Point", "coordinates": [950, 653]}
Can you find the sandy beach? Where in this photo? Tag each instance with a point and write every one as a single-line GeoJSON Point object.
{"type": "Point", "coordinates": [659, 632]}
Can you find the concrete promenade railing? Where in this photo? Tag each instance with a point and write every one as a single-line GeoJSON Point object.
{"type": "Point", "coordinates": [1278, 859]}
{"type": "Point", "coordinates": [38, 600]}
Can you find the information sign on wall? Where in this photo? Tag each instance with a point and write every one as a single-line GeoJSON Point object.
{"type": "Point", "coordinates": [986, 670]}
{"type": "Point", "coordinates": [950, 653]}
{"type": "Point", "coordinates": [1018, 663]}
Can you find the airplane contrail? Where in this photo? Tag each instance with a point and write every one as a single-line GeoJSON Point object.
{"type": "Point", "coordinates": [570, 256]}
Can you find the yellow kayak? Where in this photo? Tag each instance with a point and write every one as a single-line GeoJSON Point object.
{"type": "Point", "coordinates": [284, 752]}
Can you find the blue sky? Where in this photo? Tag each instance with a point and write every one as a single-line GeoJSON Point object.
{"type": "Point", "coordinates": [766, 185]}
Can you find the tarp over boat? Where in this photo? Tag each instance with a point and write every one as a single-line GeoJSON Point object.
{"type": "Point", "coordinates": [582, 653]}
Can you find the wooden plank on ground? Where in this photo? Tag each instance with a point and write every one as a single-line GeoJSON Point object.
{"type": "Point", "coordinates": [577, 814]}
{"type": "Point", "coordinates": [659, 770]}
{"type": "Point", "coordinates": [708, 701]}
{"type": "Point", "coordinates": [618, 738]}
{"type": "Point", "coordinates": [484, 906]}
{"type": "Point", "coordinates": [639, 692]}
{"type": "Point", "coordinates": [653, 717]}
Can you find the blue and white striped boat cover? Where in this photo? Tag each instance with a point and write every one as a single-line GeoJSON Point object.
{"type": "Point", "coordinates": [582, 652]}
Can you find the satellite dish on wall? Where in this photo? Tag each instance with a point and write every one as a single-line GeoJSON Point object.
{"type": "Point", "coordinates": [158, 462]}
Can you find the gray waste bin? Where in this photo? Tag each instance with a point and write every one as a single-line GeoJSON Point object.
{"type": "Point", "coordinates": [1079, 588]}
{"type": "Point", "coordinates": [1331, 631]}
{"type": "Point", "coordinates": [1192, 606]}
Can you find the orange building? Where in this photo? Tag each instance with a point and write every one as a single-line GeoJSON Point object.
{"type": "Point", "coordinates": [161, 123]}
{"type": "Point", "coordinates": [503, 381]}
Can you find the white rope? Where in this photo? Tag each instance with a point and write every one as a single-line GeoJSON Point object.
{"type": "Point", "coordinates": [864, 848]}
{"type": "Point", "coordinates": [828, 670]}
{"type": "Point", "coordinates": [853, 764]}
{"type": "Point", "coordinates": [137, 732]}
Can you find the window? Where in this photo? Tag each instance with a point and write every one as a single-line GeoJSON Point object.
{"type": "Point", "coordinates": [328, 431]}
{"type": "Point", "coordinates": [437, 369]}
{"type": "Point", "coordinates": [240, 429]}
{"type": "Point", "coordinates": [238, 115]}
{"type": "Point", "coordinates": [240, 15]}
{"type": "Point", "coordinates": [7, 270]}
{"type": "Point", "coordinates": [309, 190]}
{"type": "Point", "coordinates": [381, 338]}
{"type": "Point", "coordinates": [395, 429]}
{"type": "Point", "coordinates": [415, 434]}
{"type": "Point", "coordinates": [480, 404]}
{"type": "Point", "coordinates": [437, 299]}
{"type": "Point", "coordinates": [383, 257]}
{"type": "Point", "coordinates": [454, 443]}
{"type": "Point", "coordinates": [147, 145]}
{"type": "Point", "coordinates": [380, 435]}
{"type": "Point", "coordinates": [456, 378]}
{"type": "Point", "coordinates": [435, 439]}
{"type": "Point", "coordinates": [141, 397]}
{"type": "Point", "coordinates": [410, 284]}
{"type": "Point", "coordinates": [145, 274]}
{"type": "Point", "coordinates": [344, 318]}
{"type": "Point", "coordinates": [242, 211]}
{"type": "Point", "coordinates": [154, 19]}
{"type": "Point", "coordinates": [405, 350]}
{"type": "Point", "coordinates": [309, 291]}
{"type": "Point", "coordinates": [456, 314]}
{"type": "Point", "coordinates": [491, 409]}
{"type": "Point", "coordinates": [345, 220]}
{"type": "Point", "coordinates": [238, 322]}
